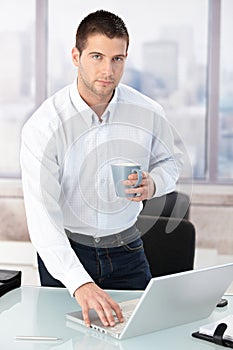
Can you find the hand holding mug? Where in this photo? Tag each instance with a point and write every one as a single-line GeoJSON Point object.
{"type": "Point", "coordinates": [146, 189]}
{"type": "Point", "coordinates": [121, 172]}
{"type": "Point", "coordinates": [131, 182]}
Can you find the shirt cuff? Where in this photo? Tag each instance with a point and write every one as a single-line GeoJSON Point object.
{"type": "Point", "coordinates": [75, 279]}
{"type": "Point", "coordinates": [161, 187]}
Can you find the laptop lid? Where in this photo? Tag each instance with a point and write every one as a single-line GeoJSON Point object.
{"type": "Point", "coordinates": [177, 299]}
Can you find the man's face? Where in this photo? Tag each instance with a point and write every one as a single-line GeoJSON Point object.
{"type": "Point", "coordinates": [100, 67]}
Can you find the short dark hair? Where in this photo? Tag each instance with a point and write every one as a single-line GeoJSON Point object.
{"type": "Point", "coordinates": [100, 22]}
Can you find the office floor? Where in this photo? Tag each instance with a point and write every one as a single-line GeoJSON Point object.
{"type": "Point", "coordinates": [203, 258]}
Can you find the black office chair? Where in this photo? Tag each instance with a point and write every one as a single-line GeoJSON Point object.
{"type": "Point", "coordinates": [169, 244]}
{"type": "Point", "coordinates": [174, 204]}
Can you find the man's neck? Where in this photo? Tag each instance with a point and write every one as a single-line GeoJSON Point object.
{"type": "Point", "coordinates": [97, 104]}
{"type": "Point", "coordinates": [99, 110]}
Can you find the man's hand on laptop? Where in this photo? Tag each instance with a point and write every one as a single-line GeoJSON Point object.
{"type": "Point", "coordinates": [90, 296]}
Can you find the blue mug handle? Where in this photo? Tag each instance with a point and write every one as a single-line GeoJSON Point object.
{"type": "Point", "coordinates": [139, 173]}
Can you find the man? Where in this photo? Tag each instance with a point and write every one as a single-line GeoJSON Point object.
{"type": "Point", "coordinates": [85, 235]}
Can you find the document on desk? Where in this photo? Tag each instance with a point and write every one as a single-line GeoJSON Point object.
{"type": "Point", "coordinates": [210, 328]}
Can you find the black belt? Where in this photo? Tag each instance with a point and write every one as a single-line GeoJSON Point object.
{"type": "Point", "coordinates": [110, 241]}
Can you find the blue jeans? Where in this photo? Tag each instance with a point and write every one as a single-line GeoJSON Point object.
{"type": "Point", "coordinates": [124, 267]}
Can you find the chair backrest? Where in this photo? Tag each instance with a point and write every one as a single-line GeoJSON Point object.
{"type": "Point", "coordinates": [171, 252]}
{"type": "Point", "coordinates": [174, 204]}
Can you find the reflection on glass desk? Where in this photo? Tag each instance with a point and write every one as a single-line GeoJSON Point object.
{"type": "Point", "coordinates": [40, 311]}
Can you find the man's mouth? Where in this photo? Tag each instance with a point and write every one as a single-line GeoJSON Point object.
{"type": "Point", "coordinates": [102, 81]}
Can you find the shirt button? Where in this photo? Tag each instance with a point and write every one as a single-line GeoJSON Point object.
{"type": "Point", "coordinates": [97, 239]}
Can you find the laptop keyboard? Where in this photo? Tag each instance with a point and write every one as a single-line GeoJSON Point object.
{"type": "Point", "coordinates": [119, 326]}
{"type": "Point", "coordinates": [127, 308]}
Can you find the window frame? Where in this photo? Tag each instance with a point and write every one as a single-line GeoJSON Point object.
{"type": "Point", "coordinates": [213, 88]}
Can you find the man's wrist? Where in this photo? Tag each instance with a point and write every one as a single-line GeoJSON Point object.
{"type": "Point", "coordinates": [81, 287]}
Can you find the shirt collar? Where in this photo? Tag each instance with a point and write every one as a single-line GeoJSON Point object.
{"type": "Point", "coordinates": [85, 110]}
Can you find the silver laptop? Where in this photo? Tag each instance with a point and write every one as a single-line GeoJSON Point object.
{"type": "Point", "coordinates": [167, 301]}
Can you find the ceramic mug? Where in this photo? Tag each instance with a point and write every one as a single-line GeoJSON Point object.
{"type": "Point", "coordinates": [120, 172]}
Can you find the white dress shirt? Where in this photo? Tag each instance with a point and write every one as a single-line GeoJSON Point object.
{"type": "Point", "coordinates": [66, 158]}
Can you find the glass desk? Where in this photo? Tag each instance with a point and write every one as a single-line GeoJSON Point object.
{"type": "Point", "coordinates": [40, 311]}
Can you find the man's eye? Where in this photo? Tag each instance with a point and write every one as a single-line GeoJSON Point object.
{"type": "Point", "coordinates": [96, 57]}
{"type": "Point", "coordinates": [118, 59]}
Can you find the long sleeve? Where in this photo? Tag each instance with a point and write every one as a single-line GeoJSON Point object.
{"type": "Point", "coordinates": [41, 188]}
{"type": "Point", "coordinates": [166, 159]}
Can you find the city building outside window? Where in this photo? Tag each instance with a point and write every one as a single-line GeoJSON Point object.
{"type": "Point", "coordinates": [17, 78]}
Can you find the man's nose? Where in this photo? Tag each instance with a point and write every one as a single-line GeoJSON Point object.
{"type": "Point", "coordinates": [107, 67]}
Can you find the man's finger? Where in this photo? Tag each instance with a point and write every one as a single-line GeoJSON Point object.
{"type": "Point", "coordinates": [135, 176]}
{"type": "Point", "coordinates": [133, 182]}
{"type": "Point", "coordinates": [86, 318]}
{"type": "Point", "coordinates": [117, 311]}
{"type": "Point", "coordinates": [110, 307]}
{"type": "Point", "coordinates": [107, 316]}
{"type": "Point", "coordinates": [104, 315]}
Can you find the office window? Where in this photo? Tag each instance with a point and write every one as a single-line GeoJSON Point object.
{"type": "Point", "coordinates": [17, 20]}
{"type": "Point", "coordinates": [225, 165]}
{"type": "Point", "coordinates": [167, 59]}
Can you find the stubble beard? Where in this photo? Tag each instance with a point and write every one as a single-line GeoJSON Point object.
{"type": "Point", "coordinates": [101, 93]}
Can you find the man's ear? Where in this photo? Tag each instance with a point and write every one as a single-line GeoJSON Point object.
{"type": "Point", "coordinates": [75, 56]}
